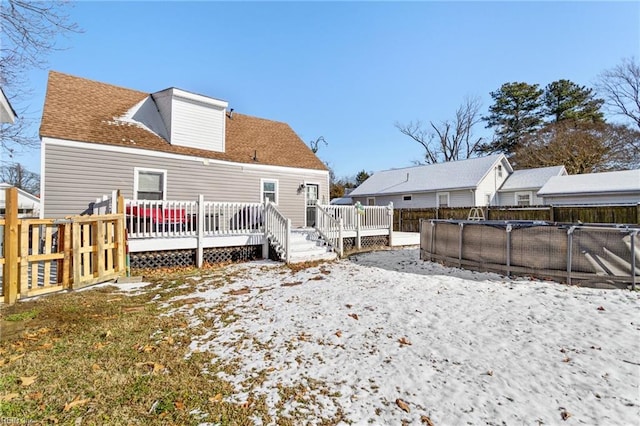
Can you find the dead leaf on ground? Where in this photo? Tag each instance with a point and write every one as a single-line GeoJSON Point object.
{"type": "Point", "coordinates": [8, 397]}
{"type": "Point", "coordinates": [239, 292]}
{"type": "Point", "coordinates": [601, 308]}
{"type": "Point", "coordinates": [75, 403]}
{"type": "Point", "coordinates": [567, 359]}
{"type": "Point", "coordinates": [316, 278]}
{"type": "Point", "coordinates": [153, 367]}
{"type": "Point", "coordinates": [45, 346]}
{"type": "Point", "coordinates": [348, 306]}
{"type": "Point", "coordinates": [565, 414]}
{"type": "Point", "coordinates": [426, 420]}
{"type": "Point", "coordinates": [133, 309]}
{"type": "Point", "coordinates": [100, 345]}
{"type": "Point", "coordinates": [179, 405]}
{"type": "Point", "coordinates": [404, 341]}
{"type": "Point", "coordinates": [35, 396]}
{"type": "Point", "coordinates": [403, 405]}
{"type": "Point", "coordinates": [339, 333]}
{"type": "Point", "coordinates": [96, 367]}
{"type": "Point", "coordinates": [215, 399]}
{"type": "Point", "coordinates": [354, 316]}
{"type": "Point", "coordinates": [292, 284]}
{"type": "Point", "coordinates": [26, 381]}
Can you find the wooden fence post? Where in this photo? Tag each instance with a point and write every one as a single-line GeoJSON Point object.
{"type": "Point", "coordinates": [77, 257]}
{"type": "Point", "coordinates": [10, 275]}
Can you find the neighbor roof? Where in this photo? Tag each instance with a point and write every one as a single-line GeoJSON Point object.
{"type": "Point", "coordinates": [83, 110]}
{"type": "Point", "coordinates": [7, 113]}
{"type": "Point", "coordinates": [593, 183]}
{"type": "Point", "coordinates": [433, 177]}
{"type": "Point", "coordinates": [531, 178]}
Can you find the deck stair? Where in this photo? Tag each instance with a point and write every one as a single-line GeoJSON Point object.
{"type": "Point", "coordinates": [306, 245]}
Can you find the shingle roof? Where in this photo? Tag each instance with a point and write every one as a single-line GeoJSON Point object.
{"type": "Point", "coordinates": [530, 178]}
{"type": "Point", "coordinates": [429, 178]}
{"type": "Point", "coordinates": [593, 183]}
{"type": "Point", "coordinates": [84, 110]}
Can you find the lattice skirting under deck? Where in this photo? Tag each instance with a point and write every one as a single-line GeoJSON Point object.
{"type": "Point", "coordinates": [178, 258]}
{"type": "Point", "coordinates": [367, 242]}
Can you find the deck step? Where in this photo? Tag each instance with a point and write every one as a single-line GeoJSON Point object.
{"type": "Point", "coordinates": [306, 246]}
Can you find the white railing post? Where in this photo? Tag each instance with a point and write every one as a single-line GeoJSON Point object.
{"type": "Point", "coordinates": [340, 240]}
{"type": "Point", "coordinates": [200, 232]}
{"type": "Point", "coordinates": [287, 239]}
{"type": "Point", "coordinates": [390, 213]}
{"type": "Point", "coordinates": [358, 236]}
{"type": "Point", "coordinates": [267, 228]}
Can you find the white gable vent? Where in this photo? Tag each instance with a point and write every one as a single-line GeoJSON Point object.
{"type": "Point", "coordinates": [192, 120]}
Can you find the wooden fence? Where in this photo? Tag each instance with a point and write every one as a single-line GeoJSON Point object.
{"type": "Point", "coordinates": [45, 255]}
{"type": "Point", "coordinates": [408, 220]}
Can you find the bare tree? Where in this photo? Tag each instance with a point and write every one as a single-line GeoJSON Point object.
{"type": "Point", "coordinates": [620, 88]}
{"type": "Point", "coordinates": [448, 140]}
{"type": "Point", "coordinates": [581, 147]}
{"type": "Point", "coordinates": [16, 175]}
{"type": "Point", "coordinates": [30, 31]}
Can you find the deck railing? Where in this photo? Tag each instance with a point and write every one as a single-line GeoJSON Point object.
{"type": "Point", "coordinates": [232, 218]}
{"type": "Point", "coordinates": [278, 230]}
{"type": "Point", "coordinates": [363, 217]}
{"type": "Point", "coordinates": [330, 229]}
{"type": "Point", "coordinates": [161, 219]}
{"type": "Point", "coordinates": [170, 219]}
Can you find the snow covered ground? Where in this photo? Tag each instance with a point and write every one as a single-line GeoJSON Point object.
{"type": "Point", "coordinates": [385, 338]}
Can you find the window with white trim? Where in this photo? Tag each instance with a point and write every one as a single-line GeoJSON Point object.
{"type": "Point", "coordinates": [523, 198]}
{"type": "Point", "coordinates": [150, 184]}
{"type": "Point", "coordinates": [499, 170]}
{"type": "Point", "coordinates": [371, 201]}
{"type": "Point", "coordinates": [487, 198]}
{"type": "Point", "coordinates": [406, 198]}
{"type": "Point", "coordinates": [442, 199]}
{"type": "Point", "coordinates": [269, 190]}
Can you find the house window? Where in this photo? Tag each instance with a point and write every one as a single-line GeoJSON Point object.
{"type": "Point", "coordinates": [487, 199]}
{"type": "Point", "coordinates": [443, 199]}
{"type": "Point", "coordinates": [269, 190]}
{"type": "Point", "coordinates": [150, 184]}
{"type": "Point", "coordinates": [523, 198]}
{"type": "Point", "coordinates": [406, 198]}
{"type": "Point", "coordinates": [371, 201]}
{"type": "Point", "coordinates": [499, 170]}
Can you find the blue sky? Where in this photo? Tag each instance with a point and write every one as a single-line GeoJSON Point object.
{"type": "Point", "coordinates": [346, 71]}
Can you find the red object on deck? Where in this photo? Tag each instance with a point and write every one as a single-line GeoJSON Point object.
{"type": "Point", "coordinates": [158, 215]}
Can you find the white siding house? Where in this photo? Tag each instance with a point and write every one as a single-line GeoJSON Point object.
{"type": "Point", "coordinates": [465, 183]}
{"type": "Point", "coordinates": [622, 187]}
{"type": "Point", "coordinates": [522, 186]}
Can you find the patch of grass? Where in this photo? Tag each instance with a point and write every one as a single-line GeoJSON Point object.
{"type": "Point", "coordinates": [22, 316]}
{"type": "Point", "coordinates": [113, 359]}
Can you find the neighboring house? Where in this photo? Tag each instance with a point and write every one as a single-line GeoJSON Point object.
{"type": "Point", "coordinates": [7, 113]}
{"type": "Point", "coordinates": [621, 187]}
{"type": "Point", "coordinates": [168, 145]}
{"type": "Point", "coordinates": [28, 204]}
{"type": "Point", "coordinates": [521, 187]}
{"type": "Point", "coordinates": [342, 201]}
{"type": "Point", "coordinates": [466, 183]}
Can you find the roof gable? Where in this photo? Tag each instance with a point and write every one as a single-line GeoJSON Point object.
{"type": "Point", "coordinates": [593, 183]}
{"type": "Point", "coordinates": [83, 110]}
{"type": "Point", "coordinates": [432, 177]}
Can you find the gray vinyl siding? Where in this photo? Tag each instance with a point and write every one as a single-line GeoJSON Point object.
{"type": "Point", "coordinates": [629, 198]}
{"type": "Point", "coordinates": [508, 198]}
{"type": "Point", "coordinates": [74, 177]}
{"type": "Point", "coordinates": [461, 198]}
{"type": "Point", "coordinates": [490, 184]}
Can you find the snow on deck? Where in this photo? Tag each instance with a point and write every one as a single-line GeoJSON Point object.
{"type": "Point", "coordinates": [459, 347]}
